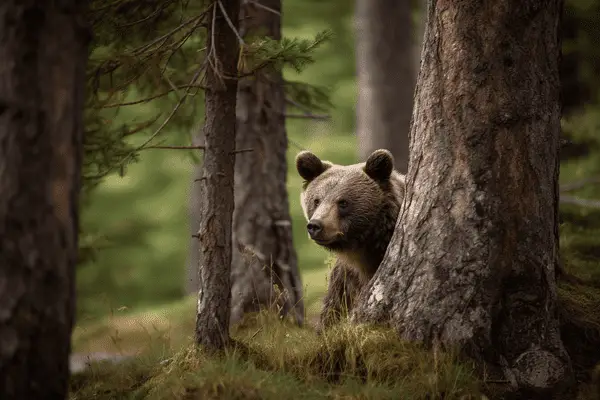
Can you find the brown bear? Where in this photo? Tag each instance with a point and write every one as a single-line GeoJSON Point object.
{"type": "Point", "coordinates": [351, 210]}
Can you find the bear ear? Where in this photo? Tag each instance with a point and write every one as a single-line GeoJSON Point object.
{"type": "Point", "coordinates": [379, 165]}
{"type": "Point", "coordinates": [310, 166]}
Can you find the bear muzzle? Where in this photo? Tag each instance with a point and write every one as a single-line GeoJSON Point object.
{"type": "Point", "coordinates": [314, 228]}
{"type": "Point", "coordinates": [318, 232]}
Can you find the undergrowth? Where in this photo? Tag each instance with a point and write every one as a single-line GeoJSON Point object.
{"type": "Point", "coordinates": [274, 359]}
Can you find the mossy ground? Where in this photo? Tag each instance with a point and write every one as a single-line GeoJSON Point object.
{"type": "Point", "coordinates": [275, 359]}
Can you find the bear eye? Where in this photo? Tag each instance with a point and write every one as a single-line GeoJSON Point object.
{"type": "Point", "coordinates": [316, 202]}
{"type": "Point", "coordinates": [342, 204]}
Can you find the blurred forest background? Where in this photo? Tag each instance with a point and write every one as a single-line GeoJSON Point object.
{"type": "Point", "coordinates": [136, 228]}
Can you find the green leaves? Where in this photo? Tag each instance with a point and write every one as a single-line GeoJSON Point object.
{"type": "Point", "coordinates": [297, 53]}
{"type": "Point", "coordinates": [148, 56]}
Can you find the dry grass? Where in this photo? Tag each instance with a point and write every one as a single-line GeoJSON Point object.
{"type": "Point", "coordinates": [275, 359]}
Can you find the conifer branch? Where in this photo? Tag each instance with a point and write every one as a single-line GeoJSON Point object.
{"type": "Point", "coordinates": [147, 99]}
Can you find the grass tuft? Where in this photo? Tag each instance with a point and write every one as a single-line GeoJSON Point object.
{"type": "Point", "coordinates": [275, 359]}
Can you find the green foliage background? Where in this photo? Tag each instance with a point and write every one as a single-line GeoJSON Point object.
{"type": "Point", "coordinates": [136, 229]}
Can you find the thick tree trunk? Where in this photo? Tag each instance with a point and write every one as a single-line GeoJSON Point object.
{"type": "Point", "coordinates": [386, 77]}
{"type": "Point", "coordinates": [212, 322]}
{"type": "Point", "coordinates": [43, 51]}
{"type": "Point", "coordinates": [472, 262]}
{"type": "Point", "coordinates": [263, 251]}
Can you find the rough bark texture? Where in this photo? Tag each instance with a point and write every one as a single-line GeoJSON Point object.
{"type": "Point", "coordinates": [42, 78]}
{"type": "Point", "coordinates": [386, 77]}
{"type": "Point", "coordinates": [212, 323]}
{"type": "Point", "coordinates": [472, 262]}
{"type": "Point", "coordinates": [194, 212]}
{"type": "Point", "coordinates": [263, 251]}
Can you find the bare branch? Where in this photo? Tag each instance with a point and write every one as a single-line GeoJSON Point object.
{"type": "Point", "coordinates": [141, 126]}
{"type": "Point", "coordinates": [291, 102]}
{"type": "Point", "coordinates": [171, 84]}
{"type": "Point", "coordinates": [167, 35]}
{"type": "Point", "coordinates": [146, 99]}
{"type": "Point", "coordinates": [212, 57]}
{"type": "Point", "coordinates": [175, 147]}
{"type": "Point", "coordinates": [179, 103]}
{"type": "Point", "coordinates": [160, 128]}
{"type": "Point", "coordinates": [242, 151]}
{"type": "Point", "coordinates": [307, 116]}
{"type": "Point", "coordinates": [148, 18]}
{"type": "Point", "coordinates": [257, 4]}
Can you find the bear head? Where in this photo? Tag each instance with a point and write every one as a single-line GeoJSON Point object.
{"type": "Point", "coordinates": [350, 207]}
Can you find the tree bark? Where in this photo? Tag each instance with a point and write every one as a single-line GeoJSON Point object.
{"type": "Point", "coordinates": [263, 251]}
{"type": "Point", "coordinates": [212, 322]}
{"type": "Point", "coordinates": [194, 212]}
{"type": "Point", "coordinates": [43, 51]}
{"type": "Point", "coordinates": [472, 262]}
{"type": "Point", "coordinates": [386, 77]}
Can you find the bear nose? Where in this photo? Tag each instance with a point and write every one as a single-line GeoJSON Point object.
{"type": "Point", "coordinates": [314, 227]}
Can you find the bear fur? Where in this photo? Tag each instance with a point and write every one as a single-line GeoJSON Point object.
{"type": "Point", "coordinates": [351, 211]}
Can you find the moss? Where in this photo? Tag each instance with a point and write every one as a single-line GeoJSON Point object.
{"type": "Point", "coordinates": [579, 288]}
{"type": "Point", "coordinates": [275, 359]}
{"type": "Point", "coordinates": [369, 354]}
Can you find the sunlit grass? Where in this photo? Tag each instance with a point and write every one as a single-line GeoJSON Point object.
{"type": "Point", "coordinates": [278, 360]}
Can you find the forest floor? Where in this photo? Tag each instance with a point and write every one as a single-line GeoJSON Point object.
{"type": "Point", "coordinates": [278, 360]}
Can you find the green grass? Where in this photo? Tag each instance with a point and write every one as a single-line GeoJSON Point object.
{"type": "Point", "coordinates": [275, 359]}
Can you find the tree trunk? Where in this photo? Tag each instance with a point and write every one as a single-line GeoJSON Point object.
{"type": "Point", "coordinates": [386, 77]}
{"type": "Point", "coordinates": [212, 322]}
{"type": "Point", "coordinates": [43, 51]}
{"type": "Point", "coordinates": [472, 262]}
{"type": "Point", "coordinates": [263, 251]}
{"type": "Point", "coordinates": [194, 211]}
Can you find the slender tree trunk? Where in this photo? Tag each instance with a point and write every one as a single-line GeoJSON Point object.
{"type": "Point", "coordinates": [194, 211]}
{"type": "Point", "coordinates": [472, 262]}
{"type": "Point", "coordinates": [263, 251]}
{"type": "Point", "coordinates": [212, 323]}
{"type": "Point", "coordinates": [386, 77]}
{"type": "Point", "coordinates": [43, 52]}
